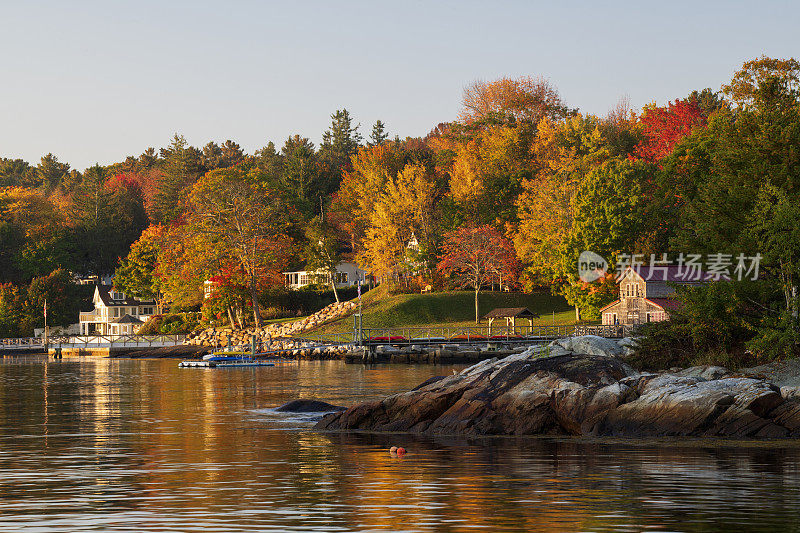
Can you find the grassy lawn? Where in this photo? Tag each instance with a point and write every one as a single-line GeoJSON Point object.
{"type": "Point", "coordinates": [453, 309]}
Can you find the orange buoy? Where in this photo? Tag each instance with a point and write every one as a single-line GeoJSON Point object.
{"type": "Point", "coordinates": [401, 451]}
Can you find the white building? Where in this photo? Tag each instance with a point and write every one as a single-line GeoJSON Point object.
{"type": "Point", "coordinates": [115, 313]}
{"type": "Point", "coordinates": [347, 274]}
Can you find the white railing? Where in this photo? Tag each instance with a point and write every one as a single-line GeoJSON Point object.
{"type": "Point", "coordinates": [94, 341]}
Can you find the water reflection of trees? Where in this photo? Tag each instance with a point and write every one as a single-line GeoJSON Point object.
{"type": "Point", "coordinates": [142, 437]}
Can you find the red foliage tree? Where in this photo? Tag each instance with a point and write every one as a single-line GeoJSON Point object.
{"type": "Point", "coordinates": [476, 256]}
{"type": "Point", "coordinates": [664, 126]}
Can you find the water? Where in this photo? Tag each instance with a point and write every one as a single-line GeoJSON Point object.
{"type": "Point", "coordinates": [133, 445]}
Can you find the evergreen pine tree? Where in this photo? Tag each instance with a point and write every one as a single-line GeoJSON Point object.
{"type": "Point", "coordinates": [338, 143]}
{"type": "Point", "coordinates": [180, 169]}
{"type": "Point", "coordinates": [378, 135]}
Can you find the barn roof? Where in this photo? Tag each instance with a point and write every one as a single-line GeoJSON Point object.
{"type": "Point", "coordinates": [666, 303]}
{"type": "Point", "coordinates": [511, 312]}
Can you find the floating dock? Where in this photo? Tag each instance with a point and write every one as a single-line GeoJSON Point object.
{"type": "Point", "coordinates": [222, 364]}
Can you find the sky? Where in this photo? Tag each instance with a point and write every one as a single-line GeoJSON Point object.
{"type": "Point", "coordinates": [94, 82]}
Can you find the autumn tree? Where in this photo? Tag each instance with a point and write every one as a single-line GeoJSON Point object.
{"type": "Point", "coordinates": [747, 88]}
{"type": "Point", "coordinates": [241, 215]}
{"type": "Point", "coordinates": [663, 127]}
{"type": "Point", "coordinates": [522, 99]}
{"type": "Point", "coordinates": [475, 256]}
{"type": "Point", "coordinates": [405, 207]}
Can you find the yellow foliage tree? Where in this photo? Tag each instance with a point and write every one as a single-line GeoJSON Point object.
{"type": "Point", "coordinates": [404, 208]}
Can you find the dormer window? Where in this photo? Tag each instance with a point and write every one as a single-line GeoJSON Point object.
{"type": "Point", "coordinates": [117, 295]}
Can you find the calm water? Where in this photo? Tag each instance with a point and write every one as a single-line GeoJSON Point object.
{"type": "Point", "coordinates": [122, 445]}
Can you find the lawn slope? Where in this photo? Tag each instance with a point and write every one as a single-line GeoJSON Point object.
{"type": "Point", "coordinates": [382, 310]}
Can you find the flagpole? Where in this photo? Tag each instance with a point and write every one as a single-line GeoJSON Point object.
{"type": "Point", "coordinates": [46, 332]}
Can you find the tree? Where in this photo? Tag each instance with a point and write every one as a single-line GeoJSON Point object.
{"type": "Point", "coordinates": [748, 84]}
{"type": "Point", "coordinates": [378, 135]}
{"type": "Point", "coordinates": [522, 99]}
{"type": "Point", "coordinates": [15, 173]}
{"type": "Point", "coordinates": [179, 171]}
{"type": "Point", "coordinates": [300, 177]}
{"type": "Point", "coordinates": [339, 143]}
{"type": "Point", "coordinates": [322, 251]}
{"type": "Point", "coordinates": [608, 218]}
{"type": "Point", "coordinates": [243, 217]}
{"type": "Point", "coordinates": [475, 256]}
{"type": "Point", "coordinates": [663, 127]}
{"type": "Point", "coordinates": [406, 207]}
{"type": "Point", "coordinates": [109, 215]}
{"type": "Point", "coordinates": [136, 273]}
{"type": "Point", "coordinates": [50, 173]}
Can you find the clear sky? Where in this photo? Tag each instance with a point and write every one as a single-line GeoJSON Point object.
{"type": "Point", "coordinates": [97, 81]}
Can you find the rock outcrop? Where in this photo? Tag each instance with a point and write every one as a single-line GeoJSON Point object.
{"type": "Point", "coordinates": [308, 406]}
{"type": "Point", "coordinates": [579, 386]}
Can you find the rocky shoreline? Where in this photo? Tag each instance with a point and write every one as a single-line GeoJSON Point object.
{"type": "Point", "coordinates": [582, 386]}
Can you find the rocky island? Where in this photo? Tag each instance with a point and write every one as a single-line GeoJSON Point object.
{"type": "Point", "coordinates": [582, 386]}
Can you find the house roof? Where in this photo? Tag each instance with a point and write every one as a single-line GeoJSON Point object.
{"type": "Point", "coordinates": [665, 303]}
{"type": "Point", "coordinates": [511, 312]}
{"type": "Point", "coordinates": [104, 291]}
{"type": "Point", "coordinates": [673, 273]}
{"type": "Point", "coordinates": [126, 319]}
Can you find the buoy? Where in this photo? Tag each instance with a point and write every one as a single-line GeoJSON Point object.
{"type": "Point", "coordinates": [393, 449]}
{"type": "Point", "coordinates": [401, 451]}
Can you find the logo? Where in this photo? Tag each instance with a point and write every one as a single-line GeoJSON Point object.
{"type": "Point", "coordinates": [591, 266]}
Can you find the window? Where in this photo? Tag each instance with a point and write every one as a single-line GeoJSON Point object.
{"type": "Point", "coordinates": [115, 312]}
{"type": "Point", "coordinates": [147, 310]}
{"type": "Point", "coordinates": [341, 277]}
{"type": "Point", "coordinates": [117, 295]}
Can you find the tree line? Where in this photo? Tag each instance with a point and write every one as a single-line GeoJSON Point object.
{"type": "Point", "coordinates": [713, 171]}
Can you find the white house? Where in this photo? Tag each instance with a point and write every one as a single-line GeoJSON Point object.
{"type": "Point", "coordinates": [115, 313]}
{"type": "Point", "coordinates": [347, 274]}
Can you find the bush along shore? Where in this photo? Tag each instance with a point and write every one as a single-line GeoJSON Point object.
{"type": "Point", "coordinates": [582, 386]}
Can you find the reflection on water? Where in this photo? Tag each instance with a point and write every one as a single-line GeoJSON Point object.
{"type": "Point", "coordinates": [131, 445]}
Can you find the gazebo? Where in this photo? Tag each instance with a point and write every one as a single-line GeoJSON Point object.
{"type": "Point", "coordinates": [511, 314]}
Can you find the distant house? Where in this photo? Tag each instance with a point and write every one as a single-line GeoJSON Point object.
{"type": "Point", "coordinates": [645, 294]}
{"type": "Point", "coordinates": [347, 274]}
{"type": "Point", "coordinates": [115, 313]}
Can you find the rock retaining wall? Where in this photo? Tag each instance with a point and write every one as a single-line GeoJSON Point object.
{"type": "Point", "coordinates": [219, 338]}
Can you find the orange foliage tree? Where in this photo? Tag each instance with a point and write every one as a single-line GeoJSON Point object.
{"type": "Point", "coordinates": [475, 256]}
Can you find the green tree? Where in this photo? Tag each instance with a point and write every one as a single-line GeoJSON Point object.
{"type": "Point", "coordinates": [322, 251]}
{"type": "Point", "coordinates": [179, 171]}
{"type": "Point", "coordinates": [378, 135]}
{"type": "Point", "coordinates": [339, 143]}
{"type": "Point", "coordinates": [300, 178]}
{"type": "Point", "coordinates": [607, 220]}
{"type": "Point", "coordinates": [50, 173]}
{"type": "Point", "coordinates": [136, 273]}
